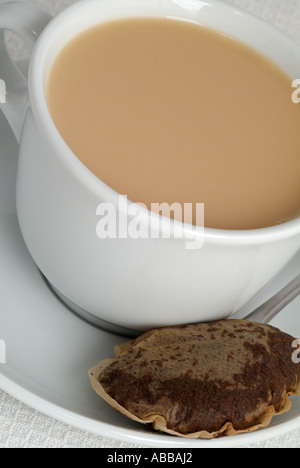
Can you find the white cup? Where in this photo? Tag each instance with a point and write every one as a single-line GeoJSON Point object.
{"type": "Point", "coordinates": [123, 282]}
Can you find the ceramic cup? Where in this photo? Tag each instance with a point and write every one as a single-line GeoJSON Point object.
{"type": "Point", "coordinates": [124, 282]}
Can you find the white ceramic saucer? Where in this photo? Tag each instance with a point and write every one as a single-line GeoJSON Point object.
{"type": "Point", "coordinates": [49, 349]}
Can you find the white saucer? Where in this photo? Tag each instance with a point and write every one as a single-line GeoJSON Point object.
{"type": "Point", "coordinates": [49, 349]}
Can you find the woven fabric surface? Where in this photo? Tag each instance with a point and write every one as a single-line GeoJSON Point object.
{"type": "Point", "coordinates": [24, 427]}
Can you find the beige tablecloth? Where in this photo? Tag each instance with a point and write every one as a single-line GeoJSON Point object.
{"type": "Point", "coordinates": [24, 427]}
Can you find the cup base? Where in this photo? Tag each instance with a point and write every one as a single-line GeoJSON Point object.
{"type": "Point", "coordinates": [92, 319]}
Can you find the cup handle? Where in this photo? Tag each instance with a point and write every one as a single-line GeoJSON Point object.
{"type": "Point", "coordinates": [28, 21]}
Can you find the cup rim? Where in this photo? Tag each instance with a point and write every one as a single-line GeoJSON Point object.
{"type": "Point", "coordinates": [48, 129]}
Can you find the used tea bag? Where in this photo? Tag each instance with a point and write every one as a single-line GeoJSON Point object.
{"type": "Point", "coordinates": [202, 381]}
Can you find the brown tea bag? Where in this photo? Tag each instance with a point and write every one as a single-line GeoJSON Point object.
{"type": "Point", "coordinates": [204, 380]}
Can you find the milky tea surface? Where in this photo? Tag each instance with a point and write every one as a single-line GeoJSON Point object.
{"type": "Point", "coordinates": [164, 110]}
